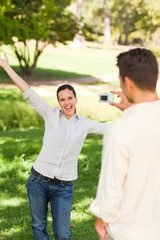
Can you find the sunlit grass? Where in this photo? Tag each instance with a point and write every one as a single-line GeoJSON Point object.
{"type": "Point", "coordinates": [16, 201]}
{"type": "Point", "coordinates": [64, 62]}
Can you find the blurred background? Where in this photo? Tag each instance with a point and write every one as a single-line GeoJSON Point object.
{"type": "Point", "coordinates": [51, 42]}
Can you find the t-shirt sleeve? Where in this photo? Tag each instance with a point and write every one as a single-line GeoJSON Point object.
{"type": "Point", "coordinates": [37, 103]}
{"type": "Point", "coordinates": [95, 126]}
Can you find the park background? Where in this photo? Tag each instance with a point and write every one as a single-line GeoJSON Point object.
{"type": "Point", "coordinates": [49, 43]}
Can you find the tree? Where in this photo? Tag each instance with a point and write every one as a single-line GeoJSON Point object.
{"type": "Point", "coordinates": [96, 19]}
{"type": "Point", "coordinates": [137, 17]}
{"type": "Point", "coordinates": [79, 40]}
{"type": "Point", "coordinates": [44, 21]}
{"type": "Point", "coordinates": [121, 14]}
{"type": "Point", "coordinates": [107, 30]}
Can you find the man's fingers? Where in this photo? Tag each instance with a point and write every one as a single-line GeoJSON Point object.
{"type": "Point", "coordinates": [119, 93]}
{"type": "Point", "coordinates": [115, 104]}
{"type": "Point", "coordinates": [116, 92]}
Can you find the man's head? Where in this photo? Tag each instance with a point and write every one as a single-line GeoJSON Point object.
{"type": "Point", "coordinates": [140, 65]}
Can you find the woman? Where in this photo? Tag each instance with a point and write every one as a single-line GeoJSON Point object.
{"type": "Point", "coordinates": [56, 166]}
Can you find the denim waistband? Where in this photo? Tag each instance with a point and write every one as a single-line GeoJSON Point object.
{"type": "Point", "coordinates": [47, 179]}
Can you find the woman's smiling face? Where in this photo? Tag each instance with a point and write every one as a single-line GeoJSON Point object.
{"type": "Point", "coordinates": [67, 102]}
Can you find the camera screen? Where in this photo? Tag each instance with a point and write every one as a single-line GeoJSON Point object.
{"type": "Point", "coordinates": [104, 98]}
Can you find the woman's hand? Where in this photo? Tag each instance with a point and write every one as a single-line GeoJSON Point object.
{"type": "Point", "coordinates": [124, 103]}
{"type": "Point", "coordinates": [4, 61]}
{"type": "Point", "coordinates": [20, 83]}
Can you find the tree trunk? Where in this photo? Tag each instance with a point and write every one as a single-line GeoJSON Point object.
{"type": "Point", "coordinates": [107, 29]}
{"type": "Point", "coordinates": [79, 40]}
{"type": "Point", "coordinates": [120, 38]}
{"type": "Point", "coordinates": [127, 23]}
{"type": "Point", "coordinates": [23, 56]}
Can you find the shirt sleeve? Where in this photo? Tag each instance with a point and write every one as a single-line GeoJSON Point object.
{"type": "Point", "coordinates": [96, 127]}
{"type": "Point", "coordinates": [112, 177]}
{"type": "Point", "coordinates": [37, 103]}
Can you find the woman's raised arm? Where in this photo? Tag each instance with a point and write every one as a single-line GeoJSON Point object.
{"type": "Point", "coordinates": [19, 82]}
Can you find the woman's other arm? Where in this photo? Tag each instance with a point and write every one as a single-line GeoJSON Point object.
{"type": "Point", "coordinates": [19, 82]}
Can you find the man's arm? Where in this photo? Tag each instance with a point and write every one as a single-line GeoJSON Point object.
{"type": "Point", "coordinates": [124, 103]}
{"type": "Point", "coordinates": [20, 83]}
{"type": "Point", "coordinates": [110, 191]}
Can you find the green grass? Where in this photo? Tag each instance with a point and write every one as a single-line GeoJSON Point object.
{"type": "Point", "coordinates": [18, 150]}
{"type": "Point", "coordinates": [113, 83]}
{"type": "Point", "coordinates": [64, 62]}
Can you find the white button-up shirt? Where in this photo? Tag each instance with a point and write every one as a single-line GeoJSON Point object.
{"type": "Point", "coordinates": [128, 195]}
{"type": "Point", "coordinates": [63, 139]}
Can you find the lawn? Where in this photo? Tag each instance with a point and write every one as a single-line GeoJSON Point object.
{"type": "Point", "coordinates": [64, 62]}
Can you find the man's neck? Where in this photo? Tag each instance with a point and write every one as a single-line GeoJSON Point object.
{"type": "Point", "coordinates": [145, 96]}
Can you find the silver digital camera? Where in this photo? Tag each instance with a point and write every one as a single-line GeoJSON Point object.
{"type": "Point", "coordinates": [106, 97]}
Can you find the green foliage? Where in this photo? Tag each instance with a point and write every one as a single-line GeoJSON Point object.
{"type": "Point", "coordinates": [156, 51]}
{"type": "Point", "coordinates": [143, 17]}
{"type": "Point", "coordinates": [8, 29]}
{"type": "Point", "coordinates": [92, 12]}
{"type": "Point", "coordinates": [45, 21]}
{"type": "Point", "coordinates": [126, 17]}
{"type": "Point", "coordinates": [93, 15]}
{"type": "Point", "coordinates": [15, 112]}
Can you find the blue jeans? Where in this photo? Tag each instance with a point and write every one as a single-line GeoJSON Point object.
{"type": "Point", "coordinates": [40, 193]}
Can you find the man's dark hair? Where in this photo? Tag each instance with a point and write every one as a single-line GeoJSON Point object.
{"type": "Point", "coordinates": [140, 65]}
{"type": "Point", "coordinates": [65, 86]}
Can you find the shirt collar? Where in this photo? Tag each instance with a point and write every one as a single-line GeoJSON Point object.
{"type": "Point", "coordinates": [61, 114]}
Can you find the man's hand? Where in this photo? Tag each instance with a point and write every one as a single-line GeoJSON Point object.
{"type": "Point", "coordinates": [100, 227]}
{"type": "Point", "coordinates": [4, 61]}
{"type": "Point", "coordinates": [124, 103]}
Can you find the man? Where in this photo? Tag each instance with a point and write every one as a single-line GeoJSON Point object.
{"type": "Point", "coordinates": [127, 205]}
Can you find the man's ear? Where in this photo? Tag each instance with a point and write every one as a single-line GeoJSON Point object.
{"type": "Point", "coordinates": [129, 83]}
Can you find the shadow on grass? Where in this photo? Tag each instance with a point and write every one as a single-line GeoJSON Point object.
{"type": "Point", "coordinates": [42, 74]}
{"type": "Point", "coordinates": [15, 215]}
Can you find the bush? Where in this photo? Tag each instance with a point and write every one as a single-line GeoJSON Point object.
{"type": "Point", "coordinates": [18, 115]}
{"type": "Point", "coordinates": [156, 51]}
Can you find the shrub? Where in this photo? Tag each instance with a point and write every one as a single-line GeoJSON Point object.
{"type": "Point", "coordinates": [17, 114]}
